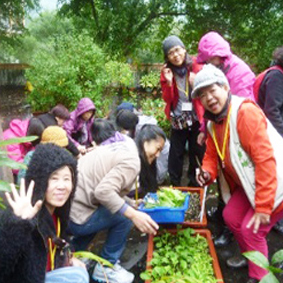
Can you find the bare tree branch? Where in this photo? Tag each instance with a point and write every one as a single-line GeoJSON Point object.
{"type": "Point", "coordinates": [94, 13]}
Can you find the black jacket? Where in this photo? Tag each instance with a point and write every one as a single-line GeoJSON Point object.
{"type": "Point", "coordinates": [23, 255]}
{"type": "Point", "coordinates": [270, 98]}
{"type": "Point", "coordinates": [47, 120]}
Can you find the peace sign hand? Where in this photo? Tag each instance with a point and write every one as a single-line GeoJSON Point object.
{"type": "Point", "coordinates": [21, 201]}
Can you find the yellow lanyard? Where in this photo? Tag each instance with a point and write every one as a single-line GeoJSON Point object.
{"type": "Point", "coordinates": [223, 151]}
{"type": "Point", "coordinates": [136, 191]}
{"type": "Point", "coordinates": [52, 251]}
{"type": "Point", "coordinates": [185, 91]}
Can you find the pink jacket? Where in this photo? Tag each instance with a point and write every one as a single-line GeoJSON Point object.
{"type": "Point", "coordinates": [75, 123]}
{"type": "Point", "coordinates": [241, 78]}
{"type": "Point", "coordinates": [17, 128]}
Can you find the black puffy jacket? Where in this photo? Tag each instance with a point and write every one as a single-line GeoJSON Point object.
{"type": "Point", "coordinates": [23, 254]}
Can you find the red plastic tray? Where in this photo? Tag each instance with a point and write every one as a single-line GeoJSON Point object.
{"type": "Point", "coordinates": [203, 232]}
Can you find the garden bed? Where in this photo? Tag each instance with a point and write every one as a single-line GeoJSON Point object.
{"type": "Point", "coordinates": [198, 266]}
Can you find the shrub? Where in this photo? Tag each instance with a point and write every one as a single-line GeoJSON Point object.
{"type": "Point", "coordinates": [150, 80]}
{"type": "Point", "coordinates": [73, 68]}
{"type": "Point", "coordinates": [155, 108]}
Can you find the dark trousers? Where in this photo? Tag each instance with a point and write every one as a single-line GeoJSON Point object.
{"type": "Point", "coordinates": [178, 141]}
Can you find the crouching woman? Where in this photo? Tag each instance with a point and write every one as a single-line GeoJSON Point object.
{"type": "Point", "coordinates": [33, 231]}
{"type": "Point", "coordinates": [244, 144]}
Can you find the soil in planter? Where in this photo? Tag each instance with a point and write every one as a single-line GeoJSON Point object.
{"type": "Point", "coordinates": [193, 212]}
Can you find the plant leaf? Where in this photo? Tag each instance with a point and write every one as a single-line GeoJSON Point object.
{"type": "Point", "coordinates": [145, 276]}
{"type": "Point", "coordinates": [6, 161]}
{"type": "Point", "coordinates": [4, 186]}
{"type": "Point", "coordinates": [93, 257]}
{"type": "Point", "coordinates": [18, 140]}
{"type": "Point", "coordinates": [277, 257]}
{"type": "Point", "coordinates": [274, 269]}
{"type": "Point", "coordinates": [269, 278]}
{"type": "Point", "coordinates": [2, 206]}
{"type": "Point", "coordinates": [257, 258]}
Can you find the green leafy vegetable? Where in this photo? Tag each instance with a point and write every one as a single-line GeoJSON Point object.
{"type": "Point", "coordinates": [166, 197]}
{"type": "Point", "coordinates": [183, 257]}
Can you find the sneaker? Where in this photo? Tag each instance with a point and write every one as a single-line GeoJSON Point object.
{"type": "Point", "coordinates": [117, 274]}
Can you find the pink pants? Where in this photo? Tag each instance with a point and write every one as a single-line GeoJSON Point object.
{"type": "Point", "coordinates": [237, 214]}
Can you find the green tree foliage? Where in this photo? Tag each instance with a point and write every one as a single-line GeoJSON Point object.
{"type": "Point", "coordinates": [254, 28]}
{"type": "Point", "coordinates": [71, 68]}
{"type": "Point", "coordinates": [119, 24]}
{"type": "Point", "coordinates": [41, 34]}
{"type": "Point", "coordinates": [13, 14]}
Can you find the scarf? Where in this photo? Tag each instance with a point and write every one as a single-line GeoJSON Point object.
{"type": "Point", "coordinates": [181, 71]}
{"type": "Point", "coordinates": [118, 137]}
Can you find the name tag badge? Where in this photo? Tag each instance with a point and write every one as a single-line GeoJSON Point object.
{"type": "Point", "coordinates": [187, 106]}
{"type": "Point", "coordinates": [189, 123]}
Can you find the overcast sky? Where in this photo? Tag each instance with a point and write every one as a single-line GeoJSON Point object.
{"type": "Point", "coordinates": [48, 4]}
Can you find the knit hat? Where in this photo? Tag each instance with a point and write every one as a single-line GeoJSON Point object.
{"type": "Point", "coordinates": [209, 75]}
{"type": "Point", "coordinates": [170, 42]}
{"type": "Point", "coordinates": [55, 135]}
{"type": "Point", "coordinates": [126, 106]}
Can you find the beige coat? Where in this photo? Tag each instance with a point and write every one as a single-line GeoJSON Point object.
{"type": "Point", "coordinates": [105, 177]}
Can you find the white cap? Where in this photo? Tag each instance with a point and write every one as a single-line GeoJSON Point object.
{"type": "Point", "coordinates": [209, 75]}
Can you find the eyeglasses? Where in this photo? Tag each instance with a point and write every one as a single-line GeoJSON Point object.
{"type": "Point", "coordinates": [177, 50]}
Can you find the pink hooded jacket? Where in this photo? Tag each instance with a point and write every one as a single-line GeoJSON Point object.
{"type": "Point", "coordinates": [17, 129]}
{"type": "Point", "coordinates": [241, 78]}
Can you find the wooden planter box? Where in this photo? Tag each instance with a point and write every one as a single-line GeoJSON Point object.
{"type": "Point", "coordinates": [203, 232]}
{"type": "Point", "coordinates": [191, 224]}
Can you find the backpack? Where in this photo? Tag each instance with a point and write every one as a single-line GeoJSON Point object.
{"type": "Point", "coordinates": [260, 78]}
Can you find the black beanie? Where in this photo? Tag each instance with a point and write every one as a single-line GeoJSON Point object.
{"type": "Point", "coordinates": [170, 42]}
